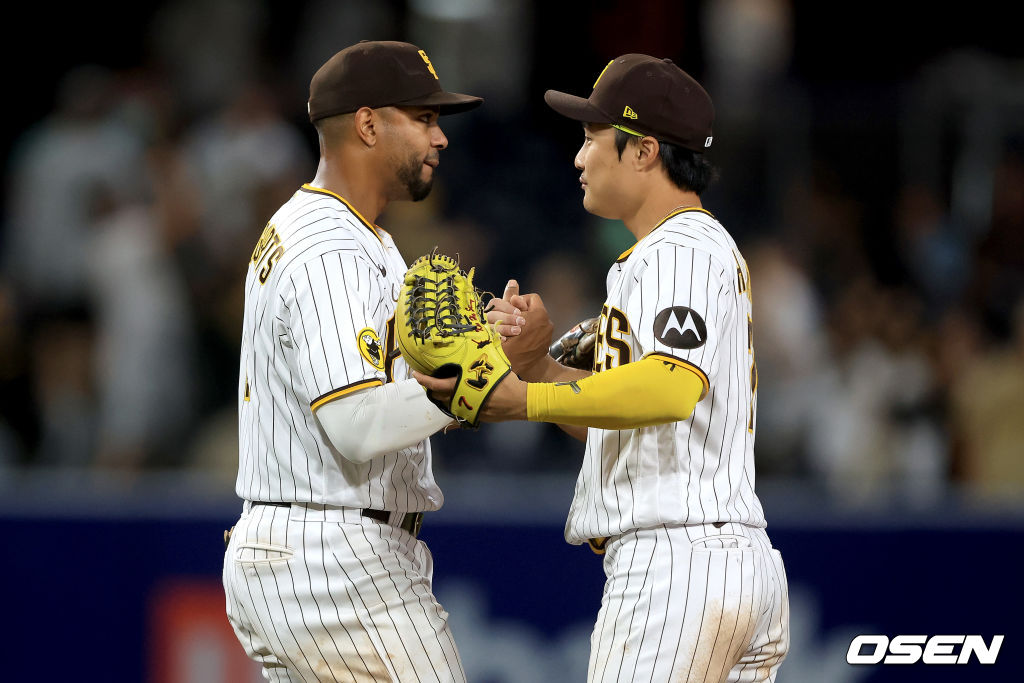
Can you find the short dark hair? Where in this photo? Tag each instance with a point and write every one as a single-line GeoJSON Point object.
{"type": "Point", "coordinates": [688, 170]}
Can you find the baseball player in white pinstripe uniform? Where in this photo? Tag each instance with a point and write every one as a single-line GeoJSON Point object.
{"type": "Point", "coordinates": [324, 576]}
{"type": "Point", "coordinates": [694, 591]}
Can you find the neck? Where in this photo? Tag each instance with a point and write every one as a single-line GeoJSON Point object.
{"type": "Point", "coordinates": [656, 208]}
{"type": "Point", "coordinates": [358, 185]}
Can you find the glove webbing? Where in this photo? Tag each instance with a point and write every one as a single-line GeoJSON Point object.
{"type": "Point", "coordinates": [446, 316]}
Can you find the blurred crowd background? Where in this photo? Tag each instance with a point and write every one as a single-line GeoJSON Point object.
{"type": "Point", "coordinates": [871, 169]}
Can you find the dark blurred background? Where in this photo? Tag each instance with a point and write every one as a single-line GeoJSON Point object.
{"type": "Point", "coordinates": [872, 172]}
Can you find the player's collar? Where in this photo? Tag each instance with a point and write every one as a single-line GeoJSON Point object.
{"type": "Point", "coordinates": [306, 187]}
{"type": "Point", "coordinates": [672, 214]}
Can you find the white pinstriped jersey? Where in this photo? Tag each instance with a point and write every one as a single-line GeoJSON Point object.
{"type": "Point", "coordinates": [681, 293]}
{"type": "Point", "coordinates": [320, 298]}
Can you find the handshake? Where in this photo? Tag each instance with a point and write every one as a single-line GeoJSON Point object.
{"type": "Point", "coordinates": [472, 358]}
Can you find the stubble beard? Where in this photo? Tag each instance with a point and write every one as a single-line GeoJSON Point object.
{"type": "Point", "coordinates": [411, 179]}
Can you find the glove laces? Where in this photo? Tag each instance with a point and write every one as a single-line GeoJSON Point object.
{"type": "Point", "coordinates": [434, 305]}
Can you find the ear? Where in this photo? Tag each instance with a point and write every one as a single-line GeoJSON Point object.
{"type": "Point", "coordinates": [365, 122]}
{"type": "Point", "coordinates": [645, 153]}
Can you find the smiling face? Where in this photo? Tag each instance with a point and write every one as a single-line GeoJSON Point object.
{"type": "Point", "coordinates": [413, 145]}
{"type": "Point", "coordinates": [606, 178]}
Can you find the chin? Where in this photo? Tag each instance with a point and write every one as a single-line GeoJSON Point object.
{"type": "Point", "coordinates": [592, 206]}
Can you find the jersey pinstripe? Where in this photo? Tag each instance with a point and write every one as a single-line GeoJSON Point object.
{"type": "Point", "coordinates": [704, 603]}
{"type": "Point", "coordinates": [681, 294]}
{"type": "Point", "coordinates": [321, 279]}
{"type": "Point", "coordinates": [319, 594]}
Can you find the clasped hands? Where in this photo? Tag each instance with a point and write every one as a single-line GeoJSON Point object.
{"type": "Point", "coordinates": [524, 326]}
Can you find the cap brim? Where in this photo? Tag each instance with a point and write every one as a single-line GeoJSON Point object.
{"type": "Point", "coordinates": [575, 108]}
{"type": "Point", "coordinates": [449, 102]}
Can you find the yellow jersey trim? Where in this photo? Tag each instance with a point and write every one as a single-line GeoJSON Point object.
{"type": "Point", "coordinates": [343, 391]}
{"type": "Point", "coordinates": [679, 362]}
{"type": "Point", "coordinates": [625, 255]}
{"type": "Point", "coordinates": [319, 190]}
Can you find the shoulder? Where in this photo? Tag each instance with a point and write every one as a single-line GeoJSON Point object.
{"type": "Point", "coordinates": [696, 229]}
{"type": "Point", "coordinates": [315, 225]}
{"type": "Point", "coordinates": [693, 235]}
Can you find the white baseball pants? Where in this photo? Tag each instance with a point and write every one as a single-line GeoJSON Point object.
{"type": "Point", "coordinates": [693, 604]}
{"type": "Point", "coordinates": [317, 594]}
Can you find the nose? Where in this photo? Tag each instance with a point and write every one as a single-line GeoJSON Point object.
{"type": "Point", "coordinates": [438, 138]}
{"type": "Point", "coordinates": [578, 161]}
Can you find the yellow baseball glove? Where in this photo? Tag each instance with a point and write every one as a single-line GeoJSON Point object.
{"type": "Point", "coordinates": [442, 332]}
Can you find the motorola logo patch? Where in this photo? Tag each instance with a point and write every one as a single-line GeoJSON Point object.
{"type": "Point", "coordinates": [680, 328]}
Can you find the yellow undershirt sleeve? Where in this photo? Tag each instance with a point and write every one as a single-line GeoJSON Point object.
{"type": "Point", "coordinates": [654, 390]}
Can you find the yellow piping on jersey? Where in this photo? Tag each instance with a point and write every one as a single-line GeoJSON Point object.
{"type": "Point", "coordinates": [338, 393]}
{"type": "Point", "coordinates": [320, 190]}
{"type": "Point", "coordinates": [679, 362]}
{"type": "Point", "coordinates": [624, 255]}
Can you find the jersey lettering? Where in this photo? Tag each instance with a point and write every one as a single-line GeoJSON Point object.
{"type": "Point", "coordinates": [615, 337]}
{"type": "Point", "coordinates": [599, 347]}
{"type": "Point", "coordinates": [612, 348]}
{"type": "Point", "coordinates": [269, 248]}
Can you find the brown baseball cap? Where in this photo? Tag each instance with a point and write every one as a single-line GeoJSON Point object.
{"type": "Point", "coordinates": [645, 96]}
{"type": "Point", "coordinates": [380, 73]}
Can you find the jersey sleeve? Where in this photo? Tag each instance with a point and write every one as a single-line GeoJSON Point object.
{"type": "Point", "coordinates": [332, 325]}
{"type": "Point", "coordinates": [676, 311]}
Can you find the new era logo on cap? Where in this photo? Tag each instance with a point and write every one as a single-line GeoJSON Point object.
{"type": "Point", "coordinates": [629, 113]}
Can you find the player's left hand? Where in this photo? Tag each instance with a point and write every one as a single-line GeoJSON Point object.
{"type": "Point", "coordinates": [507, 401]}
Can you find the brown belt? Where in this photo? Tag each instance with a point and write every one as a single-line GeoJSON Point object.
{"type": "Point", "coordinates": [411, 521]}
{"type": "Point", "coordinates": [599, 544]}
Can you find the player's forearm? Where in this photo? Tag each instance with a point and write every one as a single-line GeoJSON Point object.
{"type": "Point", "coordinates": [550, 370]}
{"type": "Point", "coordinates": [556, 372]}
{"type": "Point", "coordinates": [648, 392]}
{"type": "Point", "coordinates": [380, 420]}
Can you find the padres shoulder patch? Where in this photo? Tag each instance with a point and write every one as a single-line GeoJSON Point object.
{"type": "Point", "coordinates": [370, 348]}
{"type": "Point", "coordinates": [680, 327]}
